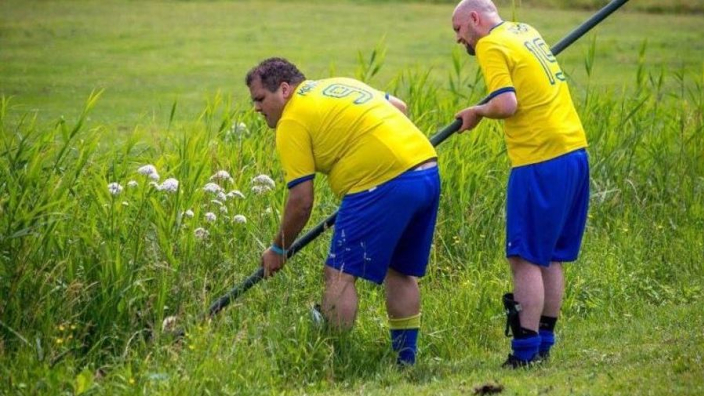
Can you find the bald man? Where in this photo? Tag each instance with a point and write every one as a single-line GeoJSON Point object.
{"type": "Point", "coordinates": [548, 188]}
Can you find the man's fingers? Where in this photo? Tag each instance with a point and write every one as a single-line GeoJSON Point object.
{"type": "Point", "coordinates": [463, 127]}
{"type": "Point", "coordinates": [267, 272]}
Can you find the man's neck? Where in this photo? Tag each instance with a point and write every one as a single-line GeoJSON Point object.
{"type": "Point", "coordinates": [490, 23]}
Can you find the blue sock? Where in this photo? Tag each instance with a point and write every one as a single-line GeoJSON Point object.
{"type": "Point", "coordinates": [526, 349]}
{"type": "Point", "coordinates": [547, 340]}
{"type": "Point", "coordinates": [405, 341]}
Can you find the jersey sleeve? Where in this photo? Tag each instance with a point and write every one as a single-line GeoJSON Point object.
{"type": "Point", "coordinates": [494, 63]}
{"type": "Point", "coordinates": [293, 143]}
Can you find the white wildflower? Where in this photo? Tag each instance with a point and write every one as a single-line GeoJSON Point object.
{"type": "Point", "coordinates": [235, 194]}
{"type": "Point", "coordinates": [201, 233]}
{"type": "Point", "coordinates": [221, 175]}
{"type": "Point", "coordinates": [210, 216]}
{"type": "Point", "coordinates": [154, 176]}
{"type": "Point", "coordinates": [147, 170]}
{"type": "Point", "coordinates": [268, 210]}
{"type": "Point", "coordinates": [260, 189]}
{"type": "Point", "coordinates": [239, 128]}
{"type": "Point", "coordinates": [216, 202]}
{"type": "Point", "coordinates": [132, 184]}
{"type": "Point", "coordinates": [222, 196]}
{"type": "Point", "coordinates": [169, 185]}
{"type": "Point", "coordinates": [188, 213]}
{"type": "Point", "coordinates": [212, 188]}
{"type": "Point", "coordinates": [264, 180]}
{"type": "Point", "coordinates": [223, 209]}
{"type": "Point", "coordinates": [169, 324]}
{"type": "Point", "coordinates": [239, 219]}
{"type": "Point", "coordinates": [114, 188]}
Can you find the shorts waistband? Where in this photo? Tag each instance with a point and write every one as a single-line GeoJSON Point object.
{"type": "Point", "coordinates": [415, 172]}
{"type": "Point", "coordinates": [423, 166]}
{"type": "Point", "coordinates": [427, 164]}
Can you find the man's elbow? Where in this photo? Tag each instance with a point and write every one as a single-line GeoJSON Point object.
{"type": "Point", "coordinates": [402, 106]}
{"type": "Point", "coordinates": [507, 106]}
{"type": "Point", "coordinates": [399, 104]}
{"type": "Point", "coordinates": [511, 105]}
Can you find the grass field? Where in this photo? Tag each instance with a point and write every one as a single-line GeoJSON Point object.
{"type": "Point", "coordinates": [147, 55]}
{"type": "Point", "coordinates": [87, 276]}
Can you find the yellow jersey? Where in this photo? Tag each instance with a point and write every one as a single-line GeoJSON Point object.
{"type": "Point", "coordinates": [514, 57]}
{"type": "Point", "coordinates": [349, 131]}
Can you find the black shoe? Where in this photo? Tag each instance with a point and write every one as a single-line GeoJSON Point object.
{"type": "Point", "coordinates": [513, 362]}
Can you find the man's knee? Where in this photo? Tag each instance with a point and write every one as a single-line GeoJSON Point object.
{"type": "Point", "coordinates": [395, 279]}
{"type": "Point", "coordinates": [334, 276]}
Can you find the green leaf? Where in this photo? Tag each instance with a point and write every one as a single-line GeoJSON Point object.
{"type": "Point", "coordinates": [83, 382]}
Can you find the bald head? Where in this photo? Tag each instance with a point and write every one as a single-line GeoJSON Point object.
{"type": "Point", "coordinates": [480, 6]}
{"type": "Point", "coordinates": [472, 20]}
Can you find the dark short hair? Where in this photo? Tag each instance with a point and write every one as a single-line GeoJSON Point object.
{"type": "Point", "coordinates": [273, 72]}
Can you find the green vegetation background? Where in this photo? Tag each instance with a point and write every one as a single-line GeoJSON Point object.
{"type": "Point", "coordinates": [93, 90]}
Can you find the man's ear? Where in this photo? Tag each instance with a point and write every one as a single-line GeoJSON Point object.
{"type": "Point", "coordinates": [286, 90]}
{"type": "Point", "coordinates": [474, 17]}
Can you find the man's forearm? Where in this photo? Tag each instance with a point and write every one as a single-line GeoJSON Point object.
{"type": "Point", "coordinates": [298, 208]}
{"type": "Point", "coordinates": [293, 222]}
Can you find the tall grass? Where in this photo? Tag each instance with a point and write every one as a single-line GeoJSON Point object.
{"type": "Point", "coordinates": [87, 277]}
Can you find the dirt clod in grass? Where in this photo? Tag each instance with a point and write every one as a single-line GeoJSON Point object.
{"type": "Point", "coordinates": [488, 389]}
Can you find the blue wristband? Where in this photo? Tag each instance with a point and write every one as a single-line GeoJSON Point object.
{"type": "Point", "coordinates": [278, 250]}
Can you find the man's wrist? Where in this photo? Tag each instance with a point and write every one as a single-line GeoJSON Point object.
{"type": "Point", "coordinates": [277, 249]}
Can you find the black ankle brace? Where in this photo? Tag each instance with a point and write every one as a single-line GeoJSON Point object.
{"type": "Point", "coordinates": [547, 323]}
{"type": "Point", "coordinates": [513, 323]}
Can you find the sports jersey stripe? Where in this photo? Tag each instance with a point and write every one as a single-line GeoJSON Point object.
{"type": "Point", "coordinates": [500, 91]}
{"type": "Point", "coordinates": [299, 180]}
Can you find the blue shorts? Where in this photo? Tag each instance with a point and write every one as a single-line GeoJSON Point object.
{"type": "Point", "coordinates": [546, 209]}
{"type": "Point", "coordinates": [390, 225]}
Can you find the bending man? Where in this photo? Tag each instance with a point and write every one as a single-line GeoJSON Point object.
{"type": "Point", "coordinates": [382, 167]}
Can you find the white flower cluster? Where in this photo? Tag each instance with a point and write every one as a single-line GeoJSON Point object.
{"type": "Point", "coordinates": [149, 171]}
{"type": "Point", "coordinates": [169, 185]}
{"type": "Point", "coordinates": [239, 219]}
{"type": "Point", "coordinates": [235, 194]}
{"type": "Point", "coordinates": [212, 188]}
{"type": "Point", "coordinates": [115, 188]}
{"type": "Point", "coordinates": [222, 175]}
{"type": "Point", "coordinates": [262, 184]}
{"type": "Point", "coordinates": [201, 233]}
{"type": "Point", "coordinates": [238, 128]}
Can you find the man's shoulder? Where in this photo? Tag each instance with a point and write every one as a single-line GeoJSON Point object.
{"type": "Point", "coordinates": [508, 30]}
{"type": "Point", "coordinates": [506, 37]}
{"type": "Point", "coordinates": [312, 88]}
{"type": "Point", "coordinates": [305, 88]}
